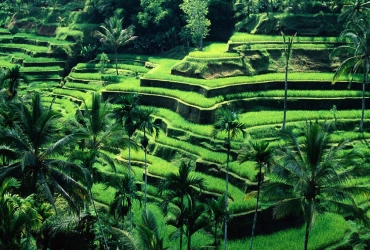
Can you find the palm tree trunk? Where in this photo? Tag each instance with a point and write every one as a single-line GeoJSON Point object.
{"type": "Point", "coordinates": [116, 52]}
{"type": "Point", "coordinates": [215, 236]}
{"type": "Point", "coordinates": [306, 236]}
{"type": "Point", "coordinates": [97, 215]}
{"type": "Point", "coordinates": [145, 175]}
{"type": "Point", "coordinates": [285, 95]}
{"type": "Point", "coordinates": [189, 241]}
{"type": "Point", "coordinates": [256, 208]}
{"type": "Point", "coordinates": [129, 174]}
{"type": "Point", "coordinates": [363, 94]}
{"type": "Point", "coordinates": [227, 189]}
{"type": "Point", "coordinates": [181, 233]}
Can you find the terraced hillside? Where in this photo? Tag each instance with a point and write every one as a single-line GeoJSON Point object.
{"type": "Point", "coordinates": [186, 109]}
{"type": "Point", "coordinates": [246, 73]}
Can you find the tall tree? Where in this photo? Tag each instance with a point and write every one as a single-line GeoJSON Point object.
{"type": "Point", "coordinates": [261, 153]}
{"type": "Point", "coordinates": [313, 177]}
{"type": "Point", "coordinates": [355, 10]}
{"type": "Point", "coordinates": [114, 36]}
{"type": "Point", "coordinates": [148, 231]}
{"type": "Point", "coordinates": [196, 17]}
{"type": "Point", "coordinates": [18, 217]}
{"type": "Point", "coordinates": [98, 135]}
{"type": "Point", "coordinates": [125, 195]}
{"type": "Point", "coordinates": [13, 76]}
{"type": "Point", "coordinates": [358, 55]}
{"type": "Point", "coordinates": [218, 213]}
{"type": "Point", "coordinates": [125, 115]}
{"type": "Point", "coordinates": [180, 189]}
{"type": "Point", "coordinates": [196, 219]}
{"type": "Point", "coordinates": [228, 121]}
{"type": "Point", "coordinates": [288, 48]}
{"type": "Point", "coordinates": [38, 143]}
{"type": "Point", "coordinates": [145, 123]}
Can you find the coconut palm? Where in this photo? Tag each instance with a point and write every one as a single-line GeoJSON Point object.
{"type": "Point", "coordinates": [145, 123]}
{"type": "Point", "coordinates": [218, 215]}
{"type": "Point", "coordinates": [125, 115]}
{"type": "Point", "coordinates": [125, 195]}
{"type": "Point", "coordinates": [356, 10]}
{"type": "Point", "coordinates": [358, 55]}
{"type": "Point", "coordinates": [196, 219]}
{"type": "Point", "coordinates": [114, 36]}
{"type": "Point", "coordinates": [261, 153]}
{"type": "Point", "coordinates": [98, 135]}
{"type": "Point", "coordinates": [148, 231]}
{"type": "Point", "coordinates": [13, 76]}
{"type": "Point", "coordinates": [18, 217]}
{"type": "Point", "coordinates": [314, 177]}
{"type": "Point", "coordinates": [36, 140]}
{"type": "Point", "coordinates": [228, 121]}
{"type": "Point", "coordinates": [288, 48]}
{"type": "Point", "coordinates": [180, 189]}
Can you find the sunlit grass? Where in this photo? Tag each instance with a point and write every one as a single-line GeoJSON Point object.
{"type": "Point", "coordinates": [329, 229]}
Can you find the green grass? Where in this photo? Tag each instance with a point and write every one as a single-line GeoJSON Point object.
{"type": "Point", "coordinates": [26, 47]}
{"type": "Point", "coordinates": [40, 69]}
{"type": "Point", "coordinates": [95, 66]}
{"type": "Point", "coordinates": [83, 86]}
{"type": "Point", "coordinates": [192, 98]}
{"type": "Point", "coordinates": [50, 40]}
{"type": "Point", "coordinates": [205, 154]}
{"type": "Point", "coordinates": [163, 73]}
{"type": "Point", "coordinates": [239, 37]}
{"type": "Point", "coordinates": [72, 93]}
{"type": "Point", "coordinates": [329, 229]}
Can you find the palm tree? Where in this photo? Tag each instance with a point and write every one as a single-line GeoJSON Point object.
{"type": "Point", "coordinates": [354, 11]}
{"type": "Point", "coordinates": [98, 135]}
{"type": "Point", "coordinates": [261, 153]}
{"type": "Point", "coordinates": [315, 177]}
{"type": "Point", "coordinates": [13, 76]}
{"type": "Point", "coordinates": [125, 195]}
{"type": "Point", "coordinates": [37, 141]}
{"type": "Point", "coordinates": [196, 219]}
{"type": "Point", "coordinates": [145, 123]}
{"type": "Point", "coordinates": [114, 35]}
{"type": "Point", "coordinates": [288, 48]}
{"type": "Point", "coordinates": [148, 231]}
{"type": "Point", "coordinates": [228, 121]}
{"type": "Point", "coordinates": [18, 216]}
{"type": "Point", "coordinates": [180, 189]}
{"type": "Point", "coordinates": [358, 52]}
{"type": "Point", "coordinates": [125, 115]}
{"type": "Point", "coordinates": [218, 215]}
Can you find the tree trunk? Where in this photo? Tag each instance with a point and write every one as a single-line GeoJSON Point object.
{"type": "Point", "coordinates": [182, 221]}
{"type": "Point", "coordinates": [116, 52]}
{"type": "Point", "coordinates": [306, 236]}
{"type": "Point", "coordinates": [100, 226]}
{"type": "Point", "coordinates": [256, 208]}
{"type": "Point", "coordinates": [129, 174]}
{"type": "Point", "coordinates": [189, 240]}
{"type": "Point", "coordinates": [215, 236]}
{"type": "Point", "coordinates": [363, 94]}
{"type": "Point", "coordinates": [227, 189]}
{"type": "Point", "coordinates": [285, 95]}
{"type": "Point", "coordinates": [145, 174]}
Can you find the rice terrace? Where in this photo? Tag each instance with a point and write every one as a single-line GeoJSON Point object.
{"type": "Point", "coordinates": [184, 124]}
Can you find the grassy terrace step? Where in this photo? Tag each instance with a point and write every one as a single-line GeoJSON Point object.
{"type": "Point", "coordinates": [242, 37]}
{"type": "Point", "coordinates": [123, 64]}
{"type": "Point", "coordinates": [4, 31]}
{"type": "Point", "coordinates": [44, 62]}
{"type": "Point", "coordinates": [38, 40]}
{"type": "Point", "coordinates": [160, 167]}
